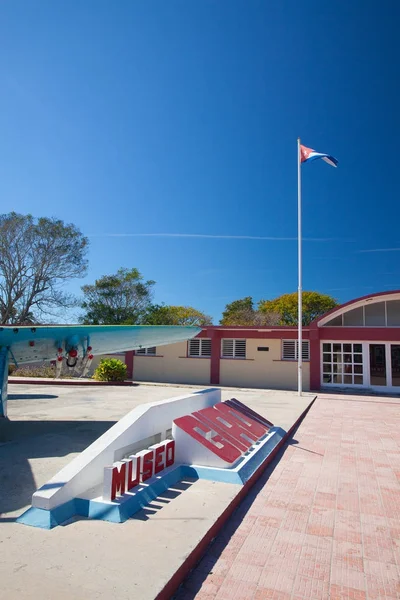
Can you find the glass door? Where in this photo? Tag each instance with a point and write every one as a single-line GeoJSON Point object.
{"type": "Point", "coordinates": [395, 358]}
{"type": "Point", "coordinates": [377, 364]}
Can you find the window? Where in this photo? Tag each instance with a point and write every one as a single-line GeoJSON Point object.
{"type": "Point", "coordinates": [147, 351]}
{"type": "Point", "coordinates": [199, 347]}
{"type": "Point", "coordinates": [336, 322]}
{"type": "Point", "coordinates": [375, 314]}
{"type": "Point", "coordinates": [233, 348]}
{"type": "Point", "coordinates": [354, 318]}
{"type": "Point", "coordinates": [290, 348]}
{"type": "Point", "coordinates": [342, 364]}
{"type": "Point", "coordinates": [393, 313]}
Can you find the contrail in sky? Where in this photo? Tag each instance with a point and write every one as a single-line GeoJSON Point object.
{"type": "Point", "coordinates": [211, 236]}
{"type": "Point", "coordinates": [380, 250]}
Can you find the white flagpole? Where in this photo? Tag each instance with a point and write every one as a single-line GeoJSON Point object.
{"type": "Point", "coordinates": [300, 299]}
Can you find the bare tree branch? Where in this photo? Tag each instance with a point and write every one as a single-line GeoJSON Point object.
{"type": "Point", "coordinates": [37, 256]}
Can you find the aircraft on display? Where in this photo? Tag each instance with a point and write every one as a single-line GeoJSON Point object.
{"type": "Point", "coordinates": [76, 345]}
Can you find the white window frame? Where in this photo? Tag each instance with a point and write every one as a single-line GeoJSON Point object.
{"type": "Point", "coordinates": [295, 344]}
{"type": "Point", "coordinates": [364, 364]}
{"type": "Point", "coordinates": [201, 347]}
{"type": "Point", "coordinates": [235, 349]}
{"type": "Point", "coordinates": [151, 351]}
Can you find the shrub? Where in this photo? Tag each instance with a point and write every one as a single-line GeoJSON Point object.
{"type": "Point", "coordinates": [44, 370]}
{"type": "Point", "coordinates": [110, 369]}
{"type": "Point", "coordinates": [11, 369]}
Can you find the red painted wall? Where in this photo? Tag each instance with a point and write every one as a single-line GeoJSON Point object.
{"type": "Point", "coordinates": [315, 359]}
{"type": "Point", "coordinates": [215, 362]}
{"type": "Point", "coordinates": [373, 334]}
{"type": "Point", "coordinates": [129, 358]}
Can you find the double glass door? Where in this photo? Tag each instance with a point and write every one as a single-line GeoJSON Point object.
{"type": "Point", "coordinates": [384, 365]}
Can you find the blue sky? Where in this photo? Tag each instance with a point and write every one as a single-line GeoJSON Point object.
{"type": "Point", "coordinates": [181, 117]}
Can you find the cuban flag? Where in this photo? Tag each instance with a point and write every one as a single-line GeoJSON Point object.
{"type": "Point", "coordinates": [308, 154]}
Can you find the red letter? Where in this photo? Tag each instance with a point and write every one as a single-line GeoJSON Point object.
{"type": "Point", "coordinates": [158, 459]}
{"type": "Point", "coordinates": [240, 407]}
{"type": "Point", "coordinates": [118, 480]}
{"type": "Point", "coordinates": [146, 464]}
{"type": "Point", "coordinates": [208, 438]}
{"type": "Point", "coordinates": [132, 461]}
{"type": "Point", "coordinates": [210, 415]}
{"type": "Point", "coordinates": [253, 429]}
{"type": "Point", "coordinates": [228, 423]}
{"type": "Point", "coordinates": [170, 453]}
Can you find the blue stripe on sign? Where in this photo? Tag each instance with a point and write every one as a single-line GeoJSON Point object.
{"type": "Point", "coordinates": [124, 507]}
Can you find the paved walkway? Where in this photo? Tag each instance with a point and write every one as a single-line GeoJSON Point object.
{"type": "Point", "coordinates": [324, 522]}
{"type": "Point", "coordinates": [90, 559]}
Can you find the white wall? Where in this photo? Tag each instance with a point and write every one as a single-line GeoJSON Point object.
{"type": "Point", "coordinates": [86, 471]}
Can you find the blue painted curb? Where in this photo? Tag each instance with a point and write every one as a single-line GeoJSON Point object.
{"type": "Point", "coordinates": [124, 507]}
{"type": "Point", "coordinates": [47, 519]}
{"type": "Point", "coordinates": [249, 464]}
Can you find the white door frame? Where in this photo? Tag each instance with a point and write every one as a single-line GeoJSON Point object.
{"type": "Point", "coordinates": [366, 366]}
{"type": "Point", "coordinates": [388, 359]}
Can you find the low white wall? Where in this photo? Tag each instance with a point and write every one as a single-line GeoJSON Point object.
{"type": "Point", "coordinates": [86, 471]}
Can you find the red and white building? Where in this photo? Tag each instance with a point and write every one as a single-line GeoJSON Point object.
{"type": "Point", "coordinates": [356, 345]}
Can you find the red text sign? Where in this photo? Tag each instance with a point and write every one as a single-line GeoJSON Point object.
{"type": "Point", "coordinates": [138, 468]}
{"type": "Point", "coordinates": [227, 429]}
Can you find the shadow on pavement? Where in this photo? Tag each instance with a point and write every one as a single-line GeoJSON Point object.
{"type": "Point", "coordinates": [162, 500]}
{"type": "Point", "coordinates": [16, 431]}
{"type": "Point", "coordinates": [193, 583]}
{"type": "Point", "coordinates": [24, 440]}
{"type": "Point", "coordinates": [295, 443]}
{"type": "Point", "coordinates": [32, 396]}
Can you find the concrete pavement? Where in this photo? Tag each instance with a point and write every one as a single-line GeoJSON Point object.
{"type": "Point", "coordinates": [93, 559]}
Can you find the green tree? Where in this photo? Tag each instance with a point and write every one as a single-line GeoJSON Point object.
{"type": "Point", "coordinates": [120, 299]}
{"type": "Point", "coordinates": [242, 312]}
{"type": "Point", "coordinates": [314, 306]}
{"type": "Point", "coordinates": [37, 258]}
{"type": "Point", "coordinates": [161, 314]}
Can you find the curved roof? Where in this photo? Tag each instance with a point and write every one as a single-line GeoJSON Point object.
{"type": "Point", "coordinates": [343, 308]}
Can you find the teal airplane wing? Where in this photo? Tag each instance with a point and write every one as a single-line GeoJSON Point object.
{"type": "Point", "coordinates": [77, 345]}
{"type": "Point", "coordinates": [31, 344]}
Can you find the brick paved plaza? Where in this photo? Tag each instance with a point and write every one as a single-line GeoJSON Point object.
{"type": "Point", "coordinates": [324, 521]}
